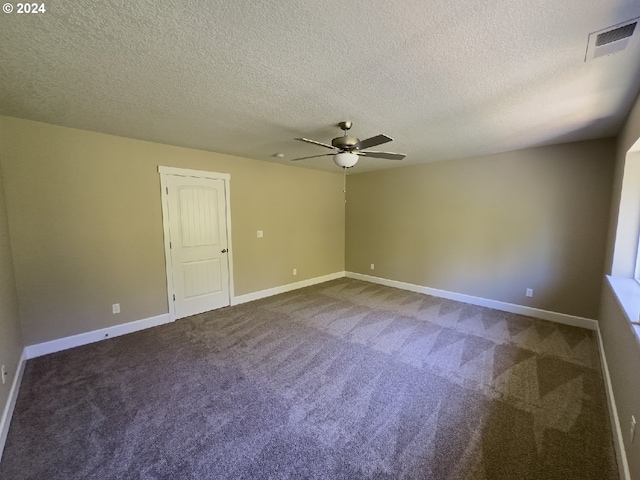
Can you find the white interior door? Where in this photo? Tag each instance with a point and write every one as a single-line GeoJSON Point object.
{"type": "Point", "coordinates": [198, 243]}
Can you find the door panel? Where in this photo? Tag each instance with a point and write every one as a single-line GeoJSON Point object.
{"type": "Point", "coordinates": [198, 239]}
{"type": "Point", "coordinates": [199, 226]}
{"type": "Point", "coordinates": [202, 278]}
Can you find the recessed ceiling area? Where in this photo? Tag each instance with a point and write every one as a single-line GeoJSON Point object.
{"type": "Point", "coordinates": [445, 80]}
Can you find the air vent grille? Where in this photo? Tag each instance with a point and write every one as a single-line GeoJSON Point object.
{"type": "Point", "coordinates": [613, 40]}
{"type": "Point", "coordinates": [615, 34]}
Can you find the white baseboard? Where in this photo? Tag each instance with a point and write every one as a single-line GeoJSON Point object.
{"type": "Point", "coordinates": [45, 348]}
{"type": "Point", "coordinates": [618, 440]}
{"type": "Point", "coordinates": [483, 302]}
{"type": "Point", "coordinates": [5, 421]}
{"type": "Point", "coordinates": [250, 297]}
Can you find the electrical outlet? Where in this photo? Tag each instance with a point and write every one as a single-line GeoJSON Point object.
{"type": "Point", "coordinates": [115, 308]}
{"type": "Point", "coordinates": [3, 374]}
{"type": "Point", "coordinates": [260, 234]}
{"type": "Point", "coordinates": [632, 428]}
{"type": "Point", "coordinates": [295, 271]}
{"type": "Point", "coordinates": [529, 292]}
{"type": "Point", "coordinates": [372, 266]}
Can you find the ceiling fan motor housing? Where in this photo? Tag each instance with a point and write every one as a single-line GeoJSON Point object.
{"type": "Point", "coordinates": [344, 143]}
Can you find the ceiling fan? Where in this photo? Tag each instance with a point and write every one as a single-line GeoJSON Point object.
{"type": "Point", "coordinates": [347, 150]}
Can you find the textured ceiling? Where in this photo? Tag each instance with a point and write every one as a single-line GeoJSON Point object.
{"type": "Point", "coordinates": [445, 79]}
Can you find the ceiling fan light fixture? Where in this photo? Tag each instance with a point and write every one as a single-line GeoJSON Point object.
{"type": "Point", "coordinates": [345, 159]}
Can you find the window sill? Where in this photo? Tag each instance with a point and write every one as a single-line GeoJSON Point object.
{"type": "Point", "coordinates": [627, 291]}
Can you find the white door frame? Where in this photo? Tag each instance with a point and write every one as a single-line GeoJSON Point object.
{"type": "Point", "coordinates": [184, 172]}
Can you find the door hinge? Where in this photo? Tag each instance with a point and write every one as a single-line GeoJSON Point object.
{"type": "Point", "coordinates": [174, 297]}
{"type": "Point", "coordinates": [167, 190]}
{"type": "Point", "coordinates": [170, 245]}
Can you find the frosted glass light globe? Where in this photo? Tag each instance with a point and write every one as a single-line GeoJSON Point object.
{"type": "Point", "coordinates": [345, 159]}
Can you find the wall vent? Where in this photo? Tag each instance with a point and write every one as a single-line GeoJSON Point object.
{"type": "Point", "coordinates": [611, 40]}
{"type": "Point", "coordinates": [615, 34]}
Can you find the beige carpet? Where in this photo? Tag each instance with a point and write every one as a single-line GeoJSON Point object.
{"type": "Point", "coordinates": [342, 380]}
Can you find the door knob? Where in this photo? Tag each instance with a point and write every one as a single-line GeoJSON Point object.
{"type": "Point", "coordinates": [224, 250]}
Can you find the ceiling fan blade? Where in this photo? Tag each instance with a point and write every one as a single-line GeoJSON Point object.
{"type": "Point", "coordinates": [385, 155]}
{"type": "Point", "coordinates": [317, 143]}
{"type": "Point", "coordinates": [372, 142]}
{"type": "Point", "coordinates": [312, 156]}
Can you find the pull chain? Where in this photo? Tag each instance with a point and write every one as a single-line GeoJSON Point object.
{"type": "Point", "coordinates": [344, 190]}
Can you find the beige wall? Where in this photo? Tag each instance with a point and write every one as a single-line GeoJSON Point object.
{"type": "Point", "coordinates": [86, 224]}
{"type": "Point", "coordinates": [490, 226]}
{"type": "Point", "coordinates": [623, 358]}
{"type": "Point", "coordinates": [621, 345]}
{"type": "Point", "coordinates": [11, 344]}
{"type": "Point", "coordinates": [622, 241]}
{"type": "Point", "coordinates": [628, 215]}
